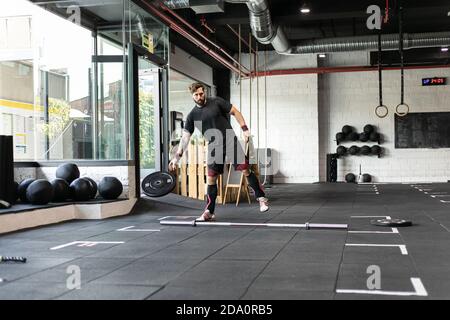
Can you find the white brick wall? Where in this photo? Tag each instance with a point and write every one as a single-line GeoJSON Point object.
{"type": "Point", "coordinates": [350, 98]}
{"type": "Point", "coordinates": [292, 116]}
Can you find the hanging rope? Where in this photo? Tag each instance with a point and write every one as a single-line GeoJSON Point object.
{"type": "Point", "coordinates": [381, 110]}
{"type": "Point", "coordinates": [402, 72]}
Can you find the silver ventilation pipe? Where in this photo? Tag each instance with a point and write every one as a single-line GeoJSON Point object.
{"type": "Point", "coordinates": [177, 4]}
{"type": "Point", "coordinates": [365, 43]}
{"type": "Point", "coordinates": [261, 24]}
{"type": "Point", "coordinates": [265, 32]}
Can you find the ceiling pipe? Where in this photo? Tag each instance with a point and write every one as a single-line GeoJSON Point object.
{"type": "Point", "coordinates": [365, 43]}
{"type": "Point", "coordinates": [177, 4]}
{"type": "Point", "coordinates": [174, 26]}
{"type": "Point", "coordinates": [324, 70]}
{"type": "Point", "coordinates": [177, 16]}
{"type": "Point", "coordinates": [265, 32]}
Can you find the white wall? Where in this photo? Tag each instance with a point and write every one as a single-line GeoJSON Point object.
{"type": "Point", "coordinates": [350, 98]}
{"type": "Point", "coordinates": [292, 116]}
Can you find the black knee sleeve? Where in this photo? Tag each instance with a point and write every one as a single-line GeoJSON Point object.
{"type": "Point", "coordinates": [211, 195]}
{"type": "Point", "coordinates": [255, 185]}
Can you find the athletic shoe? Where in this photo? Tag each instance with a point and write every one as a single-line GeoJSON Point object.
{"type": "Point", "coordinates": [263, 204]}
{"type": "Point", "coordinates": [206, 216]}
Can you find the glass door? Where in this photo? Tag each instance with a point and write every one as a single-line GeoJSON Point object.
{"type": "Point", "coordinates": [145, 99]}
{"type": "Point", "coordinates": [148, 104]}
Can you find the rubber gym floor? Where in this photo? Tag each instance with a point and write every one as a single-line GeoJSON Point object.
{"type": "Point", "coordinates": [149, 261]}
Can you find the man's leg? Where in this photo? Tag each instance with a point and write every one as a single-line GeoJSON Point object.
{"type": "Point", "coordinates": [211, 194]}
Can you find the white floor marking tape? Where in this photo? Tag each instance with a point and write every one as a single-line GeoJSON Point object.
{"type": "Point", "coordinates": [433, 193]}
{"type": "Point", "coordinates": [394, 231]}
{"type": "Point", "coordinates": [402, 247]}
{"type": "Point", "coordinates": [440, 196]}
{"type": "Point", "coordinates": [419, 290]}
{"type": "Point", "coordinates": [85, 243]}
{"type": "Point", "coordinates": [137, 230]}
{"type": "Point", "coordinates": [443, 201]}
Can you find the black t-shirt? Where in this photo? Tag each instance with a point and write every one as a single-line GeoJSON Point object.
{"type": "Point", "coordinates": [215, 114]}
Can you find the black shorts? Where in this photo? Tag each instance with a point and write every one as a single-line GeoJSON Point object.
{"type": "Point", "coordinates": [233, 154]}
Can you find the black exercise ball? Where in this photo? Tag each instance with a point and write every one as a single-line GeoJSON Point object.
{"type": "Point", "coordinates": [365, 150]}
{"type": "Point", "coordinates": [369, 129]}
{"type": "Point", "coordinates": [374, 136]}
{"type": "Point", "coordinates": [364, 137]}
{"type": "Point", "coordinates": [93, 187]}
{"type": "Point", "coordinates": [40, 192]}
{"type": "Point", "coordinates": [340, 137]}
{"type": "Point", "coordinates": [22, 189]}
{"type": "Point", "coordinates": [375, 150]}
{"type": "Point", "coordinates": [61, 190]}
{"type": "Point", "coordinates": [353, 136]}
{"type": "Point", "coordinates": [341, 150]}
{"type": "Point", "coordinates": [347, 130]}
{"type": "Point", "coordinates": [80, 190]}
{"type": "Point", "coordinates": [110, 188]}
{"type": "Point", "coordinates": [366, 177]}
{"type": "Point", "coordinates": [68, 172]}
{"type": "Point", "coordinates": [353, 150]}
{"type": "Point", "coordinates": [350, 178]}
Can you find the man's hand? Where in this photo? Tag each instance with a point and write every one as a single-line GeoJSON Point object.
{"type": "Point", "coordinates": [246, 133]}
{"type": "Point", "coordinates": [174, 162]}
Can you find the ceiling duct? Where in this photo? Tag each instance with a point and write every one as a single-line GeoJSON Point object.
{"type": "Point", "coordinates": [267, 33]}
{"type": "Point", "coordinates": [199, 6]}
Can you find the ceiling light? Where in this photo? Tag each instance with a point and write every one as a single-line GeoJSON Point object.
{"type": "Point", "coordinates": [305, 8]}
{"type": "Point", "coordinates": [445, 49]}
{"type": "Point", "coordinates": [322, 55]}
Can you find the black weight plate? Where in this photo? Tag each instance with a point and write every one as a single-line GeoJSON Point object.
{"type": "Point", "coordinates": [391, 222]}
{"type": "Point", "coordinates": [158, 184]}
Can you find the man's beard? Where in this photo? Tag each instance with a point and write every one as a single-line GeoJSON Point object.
{"type": "Point", "coordinates": [200, 102]}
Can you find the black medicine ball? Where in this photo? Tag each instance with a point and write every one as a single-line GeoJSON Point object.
{"type": "Point", "coordinates": [340, 137]}
{"type": "Point", "coordinates": [22, 189]}
{"type": "Point", "coordinates": [347, 130]}
{"type": "Point", "coordinates": [40, 192]}
{"type": "Point", "coordinates": [353, 150]}
{"type": "Point", "coordinates": [364, 137]}
{"type": "Point", "coordinates": [68, 172]}
{"type": "Point", "coordinates": [80, 190]}
{"type": "Point", "coordinates": [93, 187]}
{"type": "Point", "coordinates": [353, 136]}
{"type": "Point", "coordinates": [366, 177]}
{"type": "Point", "coordinates": [341, 150]}
{"type": "Point", "coordinates": [350, 178]}
{"type": "Point", "coordinates": [374, 136]}
{"type": "Point", "coordinates": [110, 188]}
{"type": "Point", "coordinates": [365, 150]}
{"type": "Point", "coordinates": [375, 150]}
{"type": "Point", "coordinates": [369, 129]}
{"type": "Point", "coordinates": [61, 190]}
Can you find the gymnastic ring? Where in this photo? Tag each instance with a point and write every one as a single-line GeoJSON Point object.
{"type": "Point", "coordinates": [402, 114]}
{"type": "Point", "coordinates": [378, 113]}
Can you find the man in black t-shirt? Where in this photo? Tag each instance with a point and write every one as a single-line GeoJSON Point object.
{"type": "Point", "coordinates": [211, 116]}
